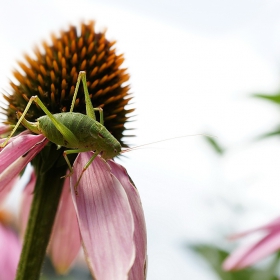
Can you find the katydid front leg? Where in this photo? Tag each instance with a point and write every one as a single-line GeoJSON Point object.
{"type": "Point", "coordinates": [67, 152]}
{"type": "Point", "coordinates": [84, 169]}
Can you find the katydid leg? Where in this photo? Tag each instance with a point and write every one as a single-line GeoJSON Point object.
{"type": "Point", "coordinates": [89, 107]}
{"type": "Point", "coordinates": [84, 169]}
{"type": "Point", "coordinates": [100, 114]}
{"type": "Point", "coordinates": [18, 123]}
{"type": "Point", "coordinates": [68, 152]}
{"type": "Point", "coordinates": [67, 134]}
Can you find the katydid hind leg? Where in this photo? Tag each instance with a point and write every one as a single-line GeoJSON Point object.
{"type": "Point", "coordinates": [66, 132]}
{"type": "Point", "coordinates": [19, 121]}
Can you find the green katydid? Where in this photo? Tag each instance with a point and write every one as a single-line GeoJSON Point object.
{"type": "Point", "coordinates": [78, 132]}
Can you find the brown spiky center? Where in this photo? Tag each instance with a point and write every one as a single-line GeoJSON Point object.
{"type": "Point", "coordinates": [52, 75]}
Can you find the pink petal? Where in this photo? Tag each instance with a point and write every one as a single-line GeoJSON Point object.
{"type": "Point", "coordinates": [65, 240]}
{"type": "Point", "coordinates": [27, 198]}
{"type": "Point", "coordinates": [274, 225]}
{"type": "Point", "coordinates": [247, 256]}
{"type": "Point", "coordinates": [105, 219]}
{"type": "Point", "coordinates": [25, 132]}
{"type": "Point", "coordinates": [140, 235]}
{"type": "Point", "coordinates": [10, 249]}
{"type": "Point", "coordinates": [17, 154]}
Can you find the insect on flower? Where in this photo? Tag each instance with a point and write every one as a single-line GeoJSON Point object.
{"type": "Point", "coordinates": [118, 242]}
{"type": "Point", "coordinates": [78, 132]}
{"type": "Point", "coordinates": [96, 205]}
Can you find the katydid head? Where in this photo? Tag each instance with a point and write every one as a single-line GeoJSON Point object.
{"type": "Point", "coordinates": [112, 150]}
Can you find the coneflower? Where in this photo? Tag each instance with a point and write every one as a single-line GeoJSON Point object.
{"type": "Point", "coordinates": [110, 217]}
{"type": "Point", "coordinates": [53, 74]}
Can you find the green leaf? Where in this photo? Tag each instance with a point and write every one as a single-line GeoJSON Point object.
{"type": "Point", "coordinates": [214, 144]}
{"type": "Point", "coordinates": [215, 257]}
{"type": "Point", "coordinates": [273, 98]}
{"type": "Point", "coordinates": [269, 134]}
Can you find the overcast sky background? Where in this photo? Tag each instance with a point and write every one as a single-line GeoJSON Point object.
{"type": "Point", "coordinates": [193, 66]}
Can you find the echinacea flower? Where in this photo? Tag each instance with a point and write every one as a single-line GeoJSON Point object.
{"type": "Point", "coordinates": [10, 247]}
{"type": "Point", "coordinates": [106, 216]}
{"type": "Point", "coordinates": [247, 256]}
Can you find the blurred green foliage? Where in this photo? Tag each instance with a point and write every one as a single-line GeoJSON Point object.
{"type": "Point", "coordinates": [214, 144]}
{"type": "Point", "coordinates": [215, 257]}
{"type": "Point", "coordinates": [273, 98]}
{"type": "Point", "coordinates": [276, 100]}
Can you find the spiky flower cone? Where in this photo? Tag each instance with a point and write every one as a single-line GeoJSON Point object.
{"type": "Point", "coordinates": [52, 75]}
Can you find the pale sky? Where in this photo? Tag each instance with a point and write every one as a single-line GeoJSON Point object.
{"type": "Point", "coordinates": [193, 66]}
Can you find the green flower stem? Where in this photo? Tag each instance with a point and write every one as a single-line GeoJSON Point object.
{"type": "Point", "coordinates": [42, 215]}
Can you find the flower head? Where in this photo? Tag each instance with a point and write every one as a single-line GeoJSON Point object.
{"type": "Point", "coordinates": [53, 74]}
{"type": "Point", "coordinates": [102, 211]}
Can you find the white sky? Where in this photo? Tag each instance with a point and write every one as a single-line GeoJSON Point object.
{"type": "Point", "coordinates": [193, 66]}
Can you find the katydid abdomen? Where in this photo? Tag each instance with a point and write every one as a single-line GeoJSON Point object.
{"type": "Point", "coordinates": [90, 134]}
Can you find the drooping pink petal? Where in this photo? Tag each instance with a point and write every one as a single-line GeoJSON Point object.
{"type": "Point", "coordinates": [247, 256]}
{"type": "Point", "coordinates": [27, 197]}
{"type": "Point", "coordinates": [137, 271]}
{"type": "Point", "coordinates": [15, 156]}
{"type": "Point", "coordinates": [2, 140]}
{"type": "Point", "coordinates": [18, 146]}
{"type": "Point", "coordinates": [274, 225]}
{"type": "Point", "coordinates": [10, 249]}
{"type": "Point", "coordinates": [65, 240]}
{"type": "Point", "coordinates": [105, 219]}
